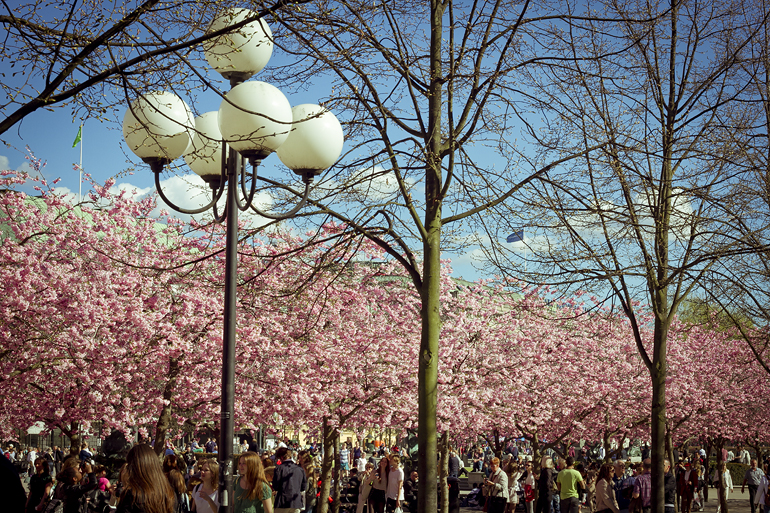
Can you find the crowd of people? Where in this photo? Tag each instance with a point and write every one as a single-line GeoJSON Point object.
{"type": "Point", "coordinates": [287, 481]}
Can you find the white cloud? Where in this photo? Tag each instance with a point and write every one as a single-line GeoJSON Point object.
{"type": "Point", "coordinates": [190, 192]}
{"type": "Point", "coordinates": [4, 163]}
{"type": "Point", "coordinates": [66, 193]}
{"type": "Point", "coordinates": [25, 167]}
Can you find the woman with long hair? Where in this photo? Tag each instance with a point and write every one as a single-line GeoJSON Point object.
{"type": "Point", "coordinates": [380, 484]}
{"type": "Point", "coordinates": [205, 495]}
{"type": "Point", "coordinates": [605, 491]}
{"type": "Point", "coordinates": [145, 487]}
{"type": "Point", "coordinates": [252, 493]}
{"type": "Point", "coordinates": [512, 469]}
{"type": "Point", "coordinates": [170, 462]}
{"type": "Point", "coordinates": [306, 463]}
{"type": "Point", "coordinates": [39, 486]}
{"type": "Point", "coordinates": [176, 480]}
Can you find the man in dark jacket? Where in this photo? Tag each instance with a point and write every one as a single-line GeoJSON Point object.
{"type": "Point", "coordinates": [454, 465]}
{"type": "Point", "coordinates": [669, 488]}
{"type": "Point", "coordinates": [289, 483]}
{"type": "Point", "coordinates": [410, 492]}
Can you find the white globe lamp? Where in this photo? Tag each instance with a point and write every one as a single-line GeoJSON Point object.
{"type": "Point", "coordinates": [204, 155]}
{"type": "Point", "coordinates": [239, 54]}
{"type": "Point", "coordinates": [315, 142]}
{"type": "Point", "coordinates": [255, 119]}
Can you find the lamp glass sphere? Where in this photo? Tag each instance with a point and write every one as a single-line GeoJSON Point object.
{"type": "Point", "coordinates": [157, 126]}
{"type": "Point", "coordinates": [315, 141]}
{"type": "Point", "coordinates": [255, 118]}
{"type": "Point", "coordinates": [204, 155]}
{"type": "Point", "coordinates": [243, 52]}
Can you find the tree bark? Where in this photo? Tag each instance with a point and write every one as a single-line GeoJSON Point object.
{"type": "Point", "coordinates": [443, 472]}
{"type": "Point", "coordinates": [329, 435]}
{"type": "Point", "coordinates": [164, 419]}
{"type": "Point", "coordinates": [658, 414]}
{"type": "Point", "coordinates": [336, 472]}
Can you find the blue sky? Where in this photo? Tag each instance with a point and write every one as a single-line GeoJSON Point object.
{"type": "Point", "coordinates": [49, 136]}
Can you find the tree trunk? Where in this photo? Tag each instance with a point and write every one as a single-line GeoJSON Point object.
{"type": "Point", "coordinates": [721, 492]}
{"type": "Point", "coordinates": [658, 414]}
{"type": "Point", "coordinates": [329, 435]}
{"type": "Point", "coordinates": [709, 447]}
{"type": "Point", "coordinates": [428, 363]}
{"type": "Point", "coordinates": [164, 420]}
{"type": "Point", "coordinates": [430, 290]}
{"type": "Point", "coordinates": [443, 469]}
{"type": "Point", "coordinates": [336, 473]}
{"type": "Point", "coordinates": [73, 433]}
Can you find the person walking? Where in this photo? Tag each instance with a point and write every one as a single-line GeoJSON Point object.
{"type": "Point", "coordinates": [454, 465]}
{"type": "Point", "coordinates": [605, 492]}
{"type": "Point", "coordinates": [380, 484]}
{"type": "Point", "coordinates": [252, 493]}
{"type": "Point", "coordinates": [546, 483]}
{"type": "Point", "coordinates": [367, 480]}
{"type": "Point", "coordinates": [567, 482]}
{"type": "Point", "coordinates": [669, 488]}
{"type": "Point", "coordinates": [514, 473]}
{"type": "Point", "coordinates": [145, 487]}
{"type": "Point", "coordinates": [752, 478]}
{"type": "Point", "coordinates": [687, 485]}
{"type": "Point", "coordinates": [39, 486]}
{"type": "Point", "coordinates": [289, 483]}
{"type": "Point", "coordinates": [206, 494]}
{"type": "Point", "coordinates": [726, 481]}
{"type": "Point", "coordinates": [643, 486]}
{"type": "Point", "coordinates": [496, 488]}
{"type": "Point", "coordinates": [394, 493]}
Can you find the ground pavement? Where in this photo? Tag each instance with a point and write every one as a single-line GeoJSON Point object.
{"type": "Point", "coordinates": [737, 502]}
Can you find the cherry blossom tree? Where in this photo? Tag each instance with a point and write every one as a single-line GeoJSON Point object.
{"type": "Point", "coordinates": [96, 325]}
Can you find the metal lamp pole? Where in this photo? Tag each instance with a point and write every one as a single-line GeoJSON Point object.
{"type": "Point", "coordinates": [159, 127]}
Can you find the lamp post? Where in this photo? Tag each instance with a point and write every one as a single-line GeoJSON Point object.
{"type": "Point", "coordinates": [253, 120]}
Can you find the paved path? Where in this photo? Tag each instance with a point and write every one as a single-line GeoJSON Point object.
{"type": "Point", "coordinates": [737, 502]}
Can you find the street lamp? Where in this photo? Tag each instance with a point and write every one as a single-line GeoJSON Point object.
{"type": "Point", "coordinates": [253, 120]}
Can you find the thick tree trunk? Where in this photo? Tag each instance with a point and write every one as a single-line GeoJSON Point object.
{"type": "Point", "coordinates": [164, 419]}
{"type": "Point", "coordinates": [329, 435]}
{"type": "Point", "coordinates": [443, 472]}
{"type": "Point", "coordinates": [428, 363]}
{"type": "Point", "coordinates": [336, 473]}
{"type": "Point", "coordinates": [73, 433]}
{"type": "Point", "coordinates": [658, 414]}
{"type": "Point", "coordinates": [721, 492]}
{"type": "Point", "coordinates": [707, 467]}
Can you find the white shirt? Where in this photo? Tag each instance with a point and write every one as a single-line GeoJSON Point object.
{"type": "Point", "coordinates": [201, 504]}
{"type": "Point", "coordinates": [395, 484]}
{"type": "Point", "coordinates": [361, 464]}
{"type": "Point", "coordinates": [745, 457]}
{"type": "Point", "coordinates": [31, 456]}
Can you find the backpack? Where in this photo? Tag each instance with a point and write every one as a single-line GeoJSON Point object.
{"type": "Point", "coordinates": [54, 505]}
{"type": "Point", "coordinates": [182, 503]}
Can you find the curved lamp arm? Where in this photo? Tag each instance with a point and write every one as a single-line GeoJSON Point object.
{"type": "Point", "coordinates": [247, 197]}
{"type": "Point", "coordinates": [297, 207]}
{"type": "Point", "coordinates": [217, 194]}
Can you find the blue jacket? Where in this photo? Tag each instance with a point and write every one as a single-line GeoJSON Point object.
{"type": "Point", "coordinates": [289, 483]}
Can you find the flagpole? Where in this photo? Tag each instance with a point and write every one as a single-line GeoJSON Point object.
{"type": "Point", "coordinates": [80, 166]}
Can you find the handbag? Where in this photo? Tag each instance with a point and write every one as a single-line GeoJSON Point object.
{"type": "Point", "coordinates": [55, 506]}
{"type": "Point", "coordinates": [636, 505]}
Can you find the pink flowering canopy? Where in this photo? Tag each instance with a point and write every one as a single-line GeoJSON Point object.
{"type": "Point", "coordinates": [109, 313]}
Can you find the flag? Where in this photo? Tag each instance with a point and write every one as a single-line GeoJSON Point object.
{"type": "Point", "coordinates": [78, 137]}
{"type": "Point", "coordinates": [516, 236]}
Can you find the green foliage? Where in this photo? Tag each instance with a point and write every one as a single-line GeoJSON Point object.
{"type": "Point", "coordinates": [737, 471]}
{"type": "Point", "coordinates": [700, 312]}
